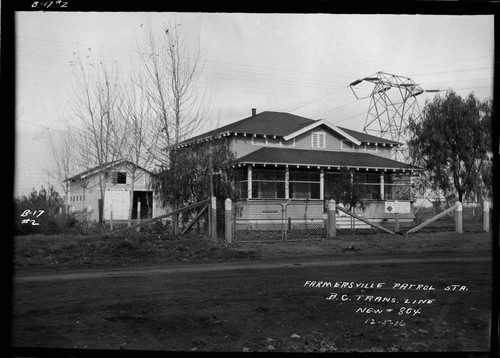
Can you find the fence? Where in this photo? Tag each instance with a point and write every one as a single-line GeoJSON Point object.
{"type": "Point", "coordinates": [278, 226]}
{"type": "Point", "coordinates": [290, 221]}
{"type": "Point", "coordinates": [278, 220]}
{"type": "Point", "coordinates": [475, 215]}
{"type": "Point", "coordinates": [183, 219]}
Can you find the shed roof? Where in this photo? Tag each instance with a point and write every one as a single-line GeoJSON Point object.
{"type": "Point", "coordinates": [98, 168]}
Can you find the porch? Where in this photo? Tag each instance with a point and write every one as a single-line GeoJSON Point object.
{"type": "Point", "coordinates": [308, 214]}
{"type": "Point", "coordinates": [269, 197]}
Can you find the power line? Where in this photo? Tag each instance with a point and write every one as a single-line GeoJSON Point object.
{"type": "Point", "coordinates": [335, 108]}
{"type": "Point", "coordinates": [315, 99]}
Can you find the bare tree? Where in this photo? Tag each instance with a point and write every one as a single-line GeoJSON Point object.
{"type": "Point", "coordinates": [63, 154]}
{"type": "Point", "coordinates": [172, 84]}
{"type": "Point", "coordinates": [97, 96]}
{"type": "Point", "coordinates": [139, 130]}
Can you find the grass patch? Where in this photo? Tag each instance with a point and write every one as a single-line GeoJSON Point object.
{"type": "Point", "coordinates": [132, 249]}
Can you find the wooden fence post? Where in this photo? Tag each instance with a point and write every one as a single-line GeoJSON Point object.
{"type": "Point", "coordinates": [396, 223]}
{"type": "Point", "coordinates": [228, 217]}
{"type": "Point", "coordinates": [138, 214]}
{"type": "Point", "coordinates": [100, 209]}
{"type": "Point", "coordinates": [458, 218]}
{"type": "Point", "coordinates": [111, 219]}
{"type": "Point", "coordinates": [486, 216]}
{"type": "Point", "coordinates": [89, 216]}
{"type": "Point", "coordinates": [332, 228]}
{"type": "Point", "coordinates": [213, 210]}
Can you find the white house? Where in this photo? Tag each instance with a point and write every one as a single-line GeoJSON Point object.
{"type": "Point", "coordinates": [84, 192]}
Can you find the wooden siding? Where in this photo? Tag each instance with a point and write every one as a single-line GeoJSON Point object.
{"type": "Point", "coordinates": [117, 195]}
{"type": "Point", "coordinates": [242, 146]}
{"type": "Point", "coordinates": [303, 141]}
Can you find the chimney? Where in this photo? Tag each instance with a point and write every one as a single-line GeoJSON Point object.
{"type": "Point", "coordinates": [254, 112]}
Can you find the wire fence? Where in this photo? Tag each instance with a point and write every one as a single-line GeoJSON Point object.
{"type": "Point", "coordinates": [472, 216]}
{"type": "Point", "coordinates": [293, 221]}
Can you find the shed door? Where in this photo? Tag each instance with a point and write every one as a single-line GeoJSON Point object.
{"type": "Point", "coordinates": [119, 202]}
{"type": "Point", "coordinates": [146, 200]}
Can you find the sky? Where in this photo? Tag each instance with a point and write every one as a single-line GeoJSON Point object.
{"type": "Point", "coordinates": [297, 63]}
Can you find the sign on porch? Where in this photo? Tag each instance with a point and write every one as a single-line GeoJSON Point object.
{"type": "Point", "coordinates": [397, 207]}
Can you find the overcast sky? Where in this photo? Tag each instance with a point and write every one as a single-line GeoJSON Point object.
{"type": "Point", "coordinates": [297, 63]}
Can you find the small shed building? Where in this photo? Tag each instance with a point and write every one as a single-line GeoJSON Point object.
{"type": "Point", "coordinates": [84, 192]}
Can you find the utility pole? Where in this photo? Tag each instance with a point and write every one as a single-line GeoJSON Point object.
{"type": "Point", "coordinates": [212, 212]}
{"type": "Point", "coordinates": [210, 170]}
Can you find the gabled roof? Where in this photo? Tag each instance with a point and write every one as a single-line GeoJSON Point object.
{"type": "Point", "coordinates": [283, 124]}
{"type": "Point", "coordinates": [321, 158]}
{"type": "Point", "coordinates": [97, 169]}
{"type": "Point", "coordinates": [268, 123]}
{"type": "Point", "coordinates": [322, 122]}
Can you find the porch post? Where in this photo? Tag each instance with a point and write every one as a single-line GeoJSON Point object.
{"type": "Point", "coordinates": [287, 183]}
{"type": "Point", "coordinates": [322, 184]}
{"type": "Point", "coordinates": [382, 194]}
{"type": "Point", "coordinates": [249, 181]}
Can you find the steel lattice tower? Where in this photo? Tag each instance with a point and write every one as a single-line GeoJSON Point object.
{"type": "Point", "coordinates": [393, 106]}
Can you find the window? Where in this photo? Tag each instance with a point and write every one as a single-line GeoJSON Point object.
{"type": "Point", "coordinates": [268, 184]}
{"type": "Point", "coordinates": [318, 140]}
{"type": "Point", "coordinates": [344, 184]}
{"type": "Point", "coordinates": [371, 184]}
{"type": "Point", "coordinates": [118, 178]}
{"type": "Point", "coordinates": [304, 184]}
{"type": "Point", "coordinates": [241, 183]}
{"type": "Point", "coordinates": [121, 178]}
{"type": "Point", "coordinates": [397, 187]}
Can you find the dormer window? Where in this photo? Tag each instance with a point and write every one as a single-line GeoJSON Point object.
{"type": "Point", "coordinates": [318, 140]}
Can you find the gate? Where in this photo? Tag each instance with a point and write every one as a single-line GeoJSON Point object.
{"type": "Point", "coordinates": [278, 220]}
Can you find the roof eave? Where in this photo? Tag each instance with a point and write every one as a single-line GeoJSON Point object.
{"type": "Point", "coordinates": [272, 164]}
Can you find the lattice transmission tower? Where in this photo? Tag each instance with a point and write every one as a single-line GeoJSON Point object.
{"type": "Point", "coordinates": [393, 107]}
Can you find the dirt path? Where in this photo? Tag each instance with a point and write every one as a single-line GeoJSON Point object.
{"type": "Point", "coordinates": [237, 307]}
{"type": "Point", "coordinates": [213, 267]}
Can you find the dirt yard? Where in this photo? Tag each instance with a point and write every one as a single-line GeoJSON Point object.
{"type": "Point", "coordinates": [191, 294]}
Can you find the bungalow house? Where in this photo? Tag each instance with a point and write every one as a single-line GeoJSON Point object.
{"type": "Point", "coordinates": [84, 192]}
{"type": "Point", "coordinates": [286, 166]}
